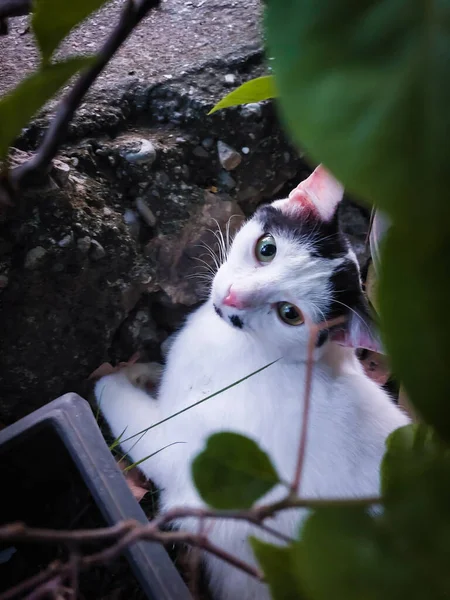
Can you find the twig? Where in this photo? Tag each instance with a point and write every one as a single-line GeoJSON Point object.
{"type": "Point", "coordinates": [314, 330]}
{"type": "Point", "coordinates": [132, 15]}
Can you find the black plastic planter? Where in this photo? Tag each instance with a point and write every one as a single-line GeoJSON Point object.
{"type": "Point", "coordinates": [46, 458]}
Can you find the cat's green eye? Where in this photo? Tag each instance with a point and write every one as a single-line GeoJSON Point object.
{"type": "Point", "coordinates": [289, 313]}
{"type": "Point", "coordinates": [266, 248]}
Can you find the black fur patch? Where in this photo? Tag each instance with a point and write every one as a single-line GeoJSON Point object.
{"type": "Point", "coordinates": [236, 321]}
{"type": "Point", "coordinates": [218, 311]}
{"type": "Point", "coordinates": [326, 239]}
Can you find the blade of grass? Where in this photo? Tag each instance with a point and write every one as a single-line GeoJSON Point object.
{"type": "Point", "coordinates": [144, 431]}
{"type": "Point", "coordinates": [117, 441]}
{"type": "Point", "coordinates": [138, 462]}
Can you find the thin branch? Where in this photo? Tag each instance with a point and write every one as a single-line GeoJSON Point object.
{"type": "Point", "coordinates": [132, 15]}
{"type": "Point", "coordinates": [314, 330]}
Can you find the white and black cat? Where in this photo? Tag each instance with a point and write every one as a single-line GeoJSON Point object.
{"type": "Point", "coordinates": [290, 260]}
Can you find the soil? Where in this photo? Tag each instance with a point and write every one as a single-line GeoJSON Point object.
{"type": "Point", "coordinates": [175, 37]}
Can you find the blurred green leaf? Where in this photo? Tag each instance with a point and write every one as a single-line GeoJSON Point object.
{"type": "Point", "coordinates": [278, 564]}
{"type": "Point", "coordinates": [364, 88]}
{"type": "Point", "coordinates": [232, 472]}
{"type": "Point", "coordinates": [414, 296]}
{"type": "Point", "coordinates": [255, 90]}
{"type": "Point", "coordinates": [24, 101]}
{"type": "Point", "coordinates": [52, 21]}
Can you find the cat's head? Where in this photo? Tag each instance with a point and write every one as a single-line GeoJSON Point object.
{"type": "Point", "coordinates": [291, 261]}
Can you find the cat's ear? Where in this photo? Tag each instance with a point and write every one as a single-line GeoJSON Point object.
{"type": "Point", "coordinates": [319, 193]}
{"type": "Point", "coordinates": [359, 331]}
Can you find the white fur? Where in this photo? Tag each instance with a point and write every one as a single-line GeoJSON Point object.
{"type": "Point", "coordinates": [350, 415]}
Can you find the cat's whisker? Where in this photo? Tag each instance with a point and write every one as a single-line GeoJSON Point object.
{"type": "Point", "coordinates": [211, 253]}
{"type": "Point", "coordinates": [219, 244]}
{"type": "Point", "coordinates": [206, 264]}
{"type": "Point", "coordinates": [352, 310]}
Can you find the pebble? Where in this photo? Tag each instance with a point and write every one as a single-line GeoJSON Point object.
{"type": "Point", "coordinates": [107, 212]}
{"type": "Point", "coordinates": [146, 154]}
{"type": "Point", "coordinates": [97, 251]}
{"type": "Point", "coordinates": [245, 150]}
{"type": "Point", "coordinates": [230, 79]}
{"type": "Point", "coordinates": [34, 257]}
{"type": "Point", "coordinates": [208, 143]}
{"type": "Point", "coordinates": [226, 181]}
{"type": "Point", "coordinates": [66, 241]}
{"type": "Point", "coordinates": [84, 244]}
{"type": "Point", "coordinates": [229, 157]}
{"type": "Point", "coordinates": [200, 152]}
{"type": "Point", "coordinates": [252, 110]}
{"type": "Point", "coordinates": [60, 172]}
{"type": "Point", "coordinates": [145, 211]}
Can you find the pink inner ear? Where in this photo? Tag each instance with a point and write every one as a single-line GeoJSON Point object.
{"type": "Point", "coordinates": [320, 192]}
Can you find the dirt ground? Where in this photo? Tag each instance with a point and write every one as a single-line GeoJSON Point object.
{"type": "Point", "coordinates": [177, 36]}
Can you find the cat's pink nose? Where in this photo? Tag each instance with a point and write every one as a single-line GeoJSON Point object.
{"type": "Point", "coordinates": [233, 300]}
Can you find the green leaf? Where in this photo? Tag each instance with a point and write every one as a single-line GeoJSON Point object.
{"type": "Point", "coordinates": [22, 103]}
{"type": "Point", "coordinates": [255, 90]}
{"type": "Point", "coordinates": [364, 87]}
{"type": "Point", "coordinates": [346, 555]}
{"type": "Point", "coordinates": [232, 472]}
{"type": "Point", "coordinates": [278, 564]}
{"type": "Point", "coordinates": [52, 21]}
{"type": "Point", "coordinates": [413, 298]}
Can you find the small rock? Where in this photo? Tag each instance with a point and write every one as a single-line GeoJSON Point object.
{"type": "Point", "coordinates": [200, 152]}
{"type": "Point", "coordinates": [185, 171]}
{"type": "Point", "coordinates": [245, 150]}
{"type": "Point", "coordinates": [3, 281]}
{"type": "Point", "coordinates": [146, 154]}
{"type": "Point", "coordinates": [66, 241]}
{"type": "Point", "coordinates": [229, 157]}
{"type": "Point", "coordinates": [226, 181]}
{"type": "Point", "coordinates": [208, 143]}
{"type": "Point", "coordinates": [132, 221]}
{"type": "Point", "coordinates": [145, 212]}
{"type": "Point", "coordinates": [161, 178]}
{"type": "Point", "coordinates": [60, 172]}
{"type": "Point", "coordinates": [252, 110]}
{"type": "Point", "coordinates": [84, 244]}
{"type": "Point", "coordinates": [35, 257]}
{"type": "Point", "coordinates": [97, 252]}
{"type": "Point", "coordinates": [107, 212]}
{"type": "Point", "coordinates": [230, 79]}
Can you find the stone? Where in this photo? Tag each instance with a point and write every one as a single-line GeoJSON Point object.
{"type": "Point", "coordinates": [132, 221]}
{"type": "Point", "coordinates": [66, 241]}
{"type": "Point", "coordinates": [146, 154]}
{"type": "Point", "coordinates": [230, 79]}
{"type": "Point", "coordinates": [200, 152]}
{"type": "Point", "coordinates": [84, 244]}
{"type": "Point", "coordinates": [145, 212]}
{"type": "Point", "coordinates": [245, 150]}
{"type": "Point", "coordinates": [97, 252]}
{"type": "Point", "coordinates": [35, 258]}
{"type": "Point", "coordinates": [226, 181]}
{"type": "Point", "coordinates": [60, 172]}
{"type": "Point", "coordinates": [208, 143]}
{"type": "Point", "coordinates": [253, 110]}
{"type": "Point", "coordinates": [229, 158]}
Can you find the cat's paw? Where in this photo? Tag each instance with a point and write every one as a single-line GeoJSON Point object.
{"type": "Point", "coordinates": [145, 376]}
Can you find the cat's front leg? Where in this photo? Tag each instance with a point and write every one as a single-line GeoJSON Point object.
{"type": "Point", "coordinates": [124, 401]}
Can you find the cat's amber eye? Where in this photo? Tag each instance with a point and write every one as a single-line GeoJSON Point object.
{"type": "Point", "coordinates": [289, 313]}
{"type": "Point", "coordinates": [265, 248]}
